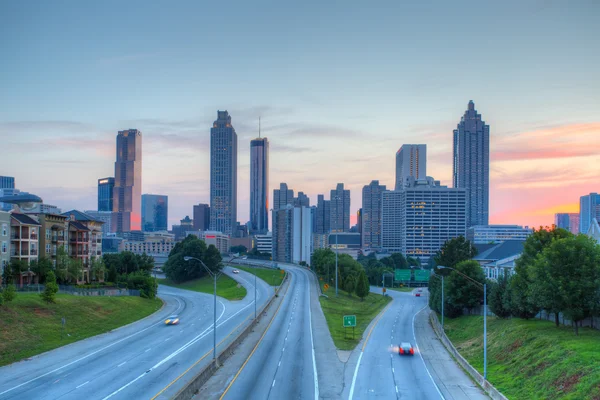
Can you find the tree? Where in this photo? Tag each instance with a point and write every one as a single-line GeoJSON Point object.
{"type": "Point", "coordinates": [97, 269]}
{"type": "Point", "coordinates": [74, 270]}
{"type": "Point", "coordinates": [41, 267]}
{"type": "Point", "coordinates": [413, 261]}
{"type": "Point", "coordinates": [62, 265]}
{"type": "Point", "coordinates": [395, 261]}
{"type": "Point", "coordinates": [9, 293]}
{"type": "Point", "coordinates": [454, 251]}
{"type": "Point", "coordinates": [460, 292]}
{"type": "Point", "coordinates": [179, 270]}
{"type": "Point", "coordinates": [112, 274]}
{"type": "Point", "coordinates": [499, 297]}
{"type": "Point", "coordinates": [241, 249]}
{"type": "Point", "coordinates": [362, 286]}
{"type": "Point", "coordinates": [212, 259]}
{"type": "Point", "coordinates": [570, 268]}
{"type": "Point", "coordinates": [349, 284]}
{"type": "Point", "coordinates": [49, 293]}
{"type": "Point", "coordinates": [14, 269]}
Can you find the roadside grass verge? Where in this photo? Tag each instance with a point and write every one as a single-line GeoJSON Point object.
{"type": "Point", "coordinates": [273, 277]}
{"type": "Point", "coordinates": [531, 359]}
{"type": "Point", "coordinates": [226, 287]}
{"type": "Point", "coordinates": [401, 289]}
{"type": "Point", "coordinates": [335, 308]}
{"type": "Point", "coordinates": [28, 326]}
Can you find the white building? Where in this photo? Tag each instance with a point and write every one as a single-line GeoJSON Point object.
{"type": "Point", "coordinates": [217, 239]}
{"type": "Point", "coordinates": [292, 234]}
{"type": "Point", "coordinates": [484, 234]}
{"type": "Point", "coordinates": [594, 231]}
{"type": "Point", "coordinates": [417, 220]}
{"type": "Point", "coordinates": [156, 244]}
{"type": "Point", "coordinates": [264, 243]}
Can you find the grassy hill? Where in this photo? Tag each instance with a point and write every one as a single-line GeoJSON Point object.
{"type": "Point", "coordinates": [532, 359]}
{"type": "Point", "coordinates": [226, 287]}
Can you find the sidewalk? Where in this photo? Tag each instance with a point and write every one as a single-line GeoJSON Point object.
{"type": "Point", "coordinates": [452, 381]}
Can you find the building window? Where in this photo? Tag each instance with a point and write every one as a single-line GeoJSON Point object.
{"type": "Point", "coordinates": [4, 229]}
{"type": "Point", "coordinates": [47, 233]}
{"type": "Point", "coordinates": [4, 247]}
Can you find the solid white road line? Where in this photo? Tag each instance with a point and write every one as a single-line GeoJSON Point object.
{"type": "Point", "coordinates": [83, 384]}
{"type": "Point", "coordinates": [124, 362]}
{"type": "Point", "coordinates": [312, 344]}
{"type": "Point", "coordinates": [418, 351]}
{"type": "Point", "coordinates": [354, 377]}
{"type": "Point", "coordinates": [147, 350]}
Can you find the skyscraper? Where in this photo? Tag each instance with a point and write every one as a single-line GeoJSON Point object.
{"type": "Point", "coordinates": [282, 197]}
{"type": "Point", "coordinates": [471, 164]}
{"type": "Point", "coordinates": [155, 212]}
{"type": "Point", "coordinates": [127, 192]}
{"type": "Point", "coordinates": [259, 185]}
{"type": "Point", "coordinates": [323, 216]}
{"type": "Point", "coordinates": [302, 200]}
{"type": "Point", "coordinates": [371, 215]}
{"type": "Point", "coordinates": [411, 160]}
{"type": "Point", "coordinates": [292, 234]}
{"type": "Point", "coordinates": [340, 209]}
{"type": "Point", "coordinates": [223, 175]}
{"type": "Point", "coordinates": [201, 217]}
{"type": "Point", "coordinates": [562, 220]}
{"type": "Point", "coordinates": [105, 194]}
{"type": "Point", "coordinates": [7, 182]}
{"type": "Point", "coordinates": [589, 208]}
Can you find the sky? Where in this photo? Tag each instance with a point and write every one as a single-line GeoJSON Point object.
{"type": "Point", "coordinates": [339, 87]}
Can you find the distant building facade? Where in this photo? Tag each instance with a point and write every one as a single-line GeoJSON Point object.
{"type": "Point", "coordinates": [302, 200]}
{"type": "Point", "coordinates": [201, 217]}
{"type": "Point", "coordinates": [106, 188]}
{"type": "Point", "coordinates": [259, 185]}
{"type": "Point", "coordinates": [218, 239]}
{"type": "Point", "coordinates": [345, 243]}
{"type": "Point", "coordinates": [223, 174]}
{"type": "Point", "coordinates": [340, 209]}
{"type": "Point", "coordinates": [568, 221]}
{"type": "Point", "coordinates": [485, 234]}
{"type": "Point", "coordinates": [155, 212]}
{"type": "Point", "coordinates": [156, 244]}
{"type": "Point", "coordinates": [292, 234]}
{"type": "Point", "coordinates": [7, 182]}
{"type": "Point", "coordinates": [370, 218]}
{"type": "Point", "coordinates": [411, 160]}
{"type": "Point", "coordinates": [589, 208]}
{"type": "Point", "coordinates": [5, 230]}
{"type": "Point", "coordinates": [185, 225]}
{"type": "Point", "coordinates": [264, 243]}
{"type": "Point", "coordinates": [471, 164]}
{"type": "Point", "coordinates": [282, 197]}
{"type": "Point", "coordinates": [106, 217]}
{"type": "Point", "coordinates": [127, 192]}
{"type": "Point", "coordinates": [54, 234]}
{"type": "Point", "coordinates": [24, 244]}
{"type": "Point", "coordinates": [323, 215]}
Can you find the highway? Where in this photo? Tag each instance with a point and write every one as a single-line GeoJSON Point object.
{"type": "Point", "coordinates": [139, 360]}
{"type": "Point", "coordinates": [383, 374]}
{"type": "Point", "coordinates": [283, 365]}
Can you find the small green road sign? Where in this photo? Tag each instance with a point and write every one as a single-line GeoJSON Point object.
{"type": "Point", "coordinates": [349, 321]}
{"type": "Point", "coordinates": [402, 275]}
{"type": "Point", "coordinates": [422, 275]}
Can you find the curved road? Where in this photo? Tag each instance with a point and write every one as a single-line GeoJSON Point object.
{"type": "Point", "coordinates": [283, 366]}
{"type": "Point", "coordinates": [140, 359]}
{"type": "Point", "coordinates": [383, 374]}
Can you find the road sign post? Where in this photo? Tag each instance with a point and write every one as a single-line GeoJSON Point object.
{"type": "Point", "coordinates": [349, 322]}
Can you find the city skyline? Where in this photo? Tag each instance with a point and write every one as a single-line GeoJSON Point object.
{"type": "Point", "coordinates": [542, 108]}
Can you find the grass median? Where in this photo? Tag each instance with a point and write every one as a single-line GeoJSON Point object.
{"type": "Point", "coordinates": [401, 289]}
{"type": "Point", "coordinates": [28, 326]}
{"type": "Point", "coordinates": [531, 359]}
{"type": "Point", "coordinates": [335, 308]}
{"type": "Point", "coordinates": [272, 276]}
{"type": "Point", "coordinates": [226, 287]}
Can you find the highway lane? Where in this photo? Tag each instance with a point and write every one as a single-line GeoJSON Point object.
{"type": "Point", "coordinates": [283, 364]}
{"type": "Point", "coordinates": [381, 372]}
{"type": "Point", "coordinates": [138, 360]}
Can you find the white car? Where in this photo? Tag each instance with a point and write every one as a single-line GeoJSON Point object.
{"type": "Point", "coordinates": [236, 271]}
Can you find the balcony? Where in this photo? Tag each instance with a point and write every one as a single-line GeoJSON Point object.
{"type": "Point", "coordinates": [15, 236]}
{"type": "Point", "coordinates": [14, 252]}
{"type": "Point", "coordinates": [99, 252]}
{"type": "Point", "coordinates": [33, 252]}
{"type": "Point", "coordinates": [24, 252]}
{"type": "Point", "coordinates": [33, 236]}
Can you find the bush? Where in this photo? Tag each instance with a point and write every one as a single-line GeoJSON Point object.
{"type": "Point", "coordinates": [9, 293]}
{"type": "Point", "coordinates": [144, 283]}
{"type": "Point", "coordinates": [49, 293]}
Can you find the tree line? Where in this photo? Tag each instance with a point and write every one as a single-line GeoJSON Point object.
{"type": "Point", "coordinates": [352, 277]}
{"type": "Point", "coordinates": [178, 270]}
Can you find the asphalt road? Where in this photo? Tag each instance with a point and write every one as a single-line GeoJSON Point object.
{"type": "Point", "coordinates": [283, 365]}
{"type": "Point", "coordinates": [382, 373]}
{"type": "Point", "coordinates": [139, 360]}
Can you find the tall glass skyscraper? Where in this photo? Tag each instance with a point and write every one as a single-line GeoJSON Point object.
{"type": "Point", "coordinates": [7, 182]}
{"type": "Point", "coordinates": [155, 212]}
{"type": "Point", "coordinates": [105, 194]}
{"type": "Point", "coordinates": [371, 215]}
{"type": "Point", "coordinates": [127, 193]}
{"type": "Point", "coordinates": [471, 164]}
{"type": "Point", "coordinates": [411, 160]}
{"type": "Point", "coordinates": [340, 209]}
{"type": "Point", "coordinates": [223, 175]}
{"type": "Point", "coordinates": [259, 185]}
{"type": "Point", "coordinates": [589, 208]}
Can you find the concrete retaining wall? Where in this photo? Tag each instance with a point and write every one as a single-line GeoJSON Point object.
{"type": "Point", "coordinates": [489, 389]}
{"type": "Point", "coordinates": [194, 385]}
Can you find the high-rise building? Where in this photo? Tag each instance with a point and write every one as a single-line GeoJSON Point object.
{"type": "Point", "coordinates": [417, 220]}
{"type": "Point", "coordinates": [282, 197]}
{"type": "Point", "coordinates": [359, 221]}
{"type": "Point", "coordinates": [411, 160]}
{"type": "Point", "coordinates": [201, 217]}
{"type": "Point", "coordinates": [589, 208]}
{"type": "Point", "coordinates": [105, 194]}
{"type": "Point", "coordinates": [471, 164]}
{"type": "Point", "coordinates": [340, 209]}
{"type": "Point", "coordinates": [574, 223]}
{"type": "Point", "coordinates": [127, 192]}
{"type": "Point", "coordinates": [7, 182]}
{"type": "Point", "coordinates": [105, 217]}
{"type": "Point", "coordinates": [155, 212]}
{"type": "Point", "coordinates": [302, 200]}
{"type": "Point", "coordinates": [323, 215]}
{"type": "Point", "coordinates": [223, 175]}
{"type": "Point", "coordinates": [292, 234]}
{"type": "Point", "coordinates": [561, 220]}
{"type": "Point", "coordinates": [371, 215]}
{"type": "Point", "coordinates": [259, 185]}
{"type": "Point", "coordinates": [488, 234]}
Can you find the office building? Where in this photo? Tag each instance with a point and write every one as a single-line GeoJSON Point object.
{"type": "Point", "coordinates": [345, 243]}
{"type": "Point", "coordinates": [302, 200]}
{"type": "Point", "coordinates": [223, 174]}
{"type": "Point", "coordinates": [488, 234]}
{"type": "Point", "coordinates": [180, 230]}
{"type": "Point", "coordinates": [313, 213]}
{"type": "Point", "coordinates": [155, 212]}
{"type": "Point", "coordinates": [320, 240]}
{"type": "Point", "coordinates": [574, 223]}
{"type": "Point", "coordinates": [259, 185]}
{"type": "Point", "coordinates": [323, 215]}
{"type": "Point", "coordinates": [155, 244]}
{"type": "Point", "coordinates": [217, 239]}
{"type": "Point", "coordinates": [340, 209]}
{"type": "Point", "coordinates": [264, 243]}
{"type": "Point", "coordinates": [292, 235]}
{"type": "Point", "coordinates": [411, 160]}
{"type": "Point", "coordinates": [282, 197]}
{"type": "Point", "coordinates": [127, 192]}
{"type": "Point", "coordinates": [7, 182]}
{"type": "Point", "coordinates": [106, 187]}
{"type": "Point", "coordinates": [471, 164]}
{"type": "Point", "coordinates": [201, 217]}
{"type": "Point", "coordinates": [568, 221]}
{"type": "Point", "coordinates": [105, 217]}
{"type": "Point", "coordinates": [589, 208]}
{"type": "Point", "coordinates": [417, 220]}
{"type": "Point", "coordinates": [370, 216]}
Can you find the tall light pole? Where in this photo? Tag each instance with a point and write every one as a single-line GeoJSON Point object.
{"type": "Point", "coordinates": [484, 286]}
{"type": "Point", "coordinates": [215, 276]}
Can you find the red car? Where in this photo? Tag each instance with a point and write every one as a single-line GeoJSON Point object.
{"type": "Point", "coordinates": [418, 294]}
